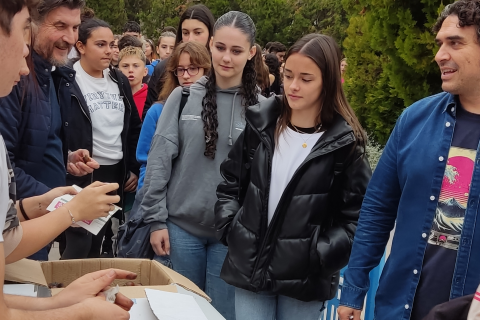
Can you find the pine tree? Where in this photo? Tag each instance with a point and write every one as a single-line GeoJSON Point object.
{"type": "Point", "coordinates": [390, 50]}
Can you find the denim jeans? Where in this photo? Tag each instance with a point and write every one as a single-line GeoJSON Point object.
{"type": "Point", "coordinates": [266, 306]}
{"type": "Point", "coordinates": [200, 260]}
{"type": "Point", "coordinates": [42, 254]}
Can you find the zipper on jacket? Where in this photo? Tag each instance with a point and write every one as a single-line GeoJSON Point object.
{"type": "Point", "coordinates": [90, 120]}
{"type": "Point", "coordinates": [264, 214]}
{"type": "Point", "coordinates": [276, 213]}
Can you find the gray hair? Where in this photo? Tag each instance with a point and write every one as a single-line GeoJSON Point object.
{"type": "Point", "coordinates": [47, 6]}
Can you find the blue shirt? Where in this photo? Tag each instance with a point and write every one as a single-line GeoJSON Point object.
{"type": "Point", "coordinates": [145, 140]}
{"type": "Point", "coordinates": [404, 190]}
{"type": "Point", "coordinates": [51, 171]}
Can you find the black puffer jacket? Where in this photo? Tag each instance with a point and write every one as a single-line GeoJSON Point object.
{"type": "Point", "coordinates": [311, 233]}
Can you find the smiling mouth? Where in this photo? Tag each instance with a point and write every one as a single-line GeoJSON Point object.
{"type": "Point", "coordinates": [448, 71]}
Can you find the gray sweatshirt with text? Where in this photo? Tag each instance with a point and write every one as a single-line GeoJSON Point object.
{"type": "Point", "coordinates": [180, 181]}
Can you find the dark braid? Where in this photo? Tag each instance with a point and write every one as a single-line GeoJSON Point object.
{"type": "Point", "coordinates": [209, 116]}
{"type": "Point", "coordinates": [249, 89]}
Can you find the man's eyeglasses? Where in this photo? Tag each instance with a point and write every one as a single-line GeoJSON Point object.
{"type": "Point", "coordinates": [193, 71]}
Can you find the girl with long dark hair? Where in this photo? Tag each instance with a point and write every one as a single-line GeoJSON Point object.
{"type": "Point", "coordinates": [293, 186]}
{"type": "Point", "coordinates": [106, 123]}
{"type": "Point", "coordinates": [189, 62]}
{"type": "Point", "coordinates": [196, 24]}
{"type": "Point", "coordinates": [187, 149]}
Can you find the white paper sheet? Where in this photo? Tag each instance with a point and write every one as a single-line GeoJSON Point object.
{"type": "Point", "coordinates": [141, 310]}
{"type": "Point", "coordinates": [93, 226]}
{"type": "Point", "coordinates": [173, 306]}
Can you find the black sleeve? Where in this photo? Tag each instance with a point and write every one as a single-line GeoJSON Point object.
{"type": "Point", "coordinates": [154, 85]}
{"type": "Point", "coordinates": [352, 185]}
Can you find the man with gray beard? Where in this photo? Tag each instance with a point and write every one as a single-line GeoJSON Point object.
{"type": "Point", "coordinates": [34, 117]}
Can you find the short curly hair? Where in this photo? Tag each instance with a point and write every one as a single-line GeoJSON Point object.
{"type": "Point", "coordinates": [132, 51]}
{"type": "Point", "coordinates": [468, 12]}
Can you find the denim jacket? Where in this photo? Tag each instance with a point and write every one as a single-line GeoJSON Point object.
{"type": "Point", "coordinates": [404, 190]}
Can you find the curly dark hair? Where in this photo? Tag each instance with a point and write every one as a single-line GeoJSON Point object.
{"type": "Point", "coordinates": [249, 89]}
{"type": "Point", "coordinates": [468, 12]}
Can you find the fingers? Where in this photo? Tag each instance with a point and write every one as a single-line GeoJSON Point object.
{"type": "Point", "coordinates": [73, 170]}
{"type": "Point", "coordinates": [167, 244]}
{"type": "Point", "coordinates": [84, 168]}
{"type": "Point", "coordinates": [93, 164]}
{"type": "Point", "coordinates": [69, 190]}
{"type": "Point", "coordinates": [119, 274]}
{"type": "Point", "coordinates": [346, 313]}
{"type": "Point", "coordinates": [123, 302]}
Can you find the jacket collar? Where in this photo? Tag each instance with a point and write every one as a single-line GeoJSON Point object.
{"type": "Point", "coordinates": [43, 68]}
{"type": "Point", "coordinates": [264, 115]}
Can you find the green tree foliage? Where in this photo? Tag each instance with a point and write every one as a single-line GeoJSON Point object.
{"type": "Point", "coordinates": [390, 50]}
{"type": "Point", "coordinates": [112, 11]}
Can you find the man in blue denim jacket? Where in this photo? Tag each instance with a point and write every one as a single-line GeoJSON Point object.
{"type": "Point", "coordinates": [428, 184]}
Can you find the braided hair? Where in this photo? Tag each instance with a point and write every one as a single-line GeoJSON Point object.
{"type": "Point", "coordinates": [249, 89]}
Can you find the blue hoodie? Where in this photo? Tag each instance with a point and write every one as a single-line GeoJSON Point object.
{"type": "Point", "coordinates": [145, 139]}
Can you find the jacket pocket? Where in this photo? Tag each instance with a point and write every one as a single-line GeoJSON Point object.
{"type": "Point", "coordinates": [314, 264]}
{"type": "Point", "coordinates": [233, 223]}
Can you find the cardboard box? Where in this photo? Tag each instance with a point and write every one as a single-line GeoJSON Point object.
{"type": "Point", "coordinates": [150, 274]}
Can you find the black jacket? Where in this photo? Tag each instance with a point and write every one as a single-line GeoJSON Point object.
{"type": "Point", "coordinates": [81, 136]}
{"type": "Point", "coordinates": [311, 233]}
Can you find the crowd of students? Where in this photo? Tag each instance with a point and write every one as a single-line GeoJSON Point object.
{"type": "Point", "coordinates": [247, 165]}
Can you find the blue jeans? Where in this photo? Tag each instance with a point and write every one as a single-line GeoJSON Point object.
{"type": "Point", "coordinates": [42, 254]}
{"type": "Point", "coordinates": [266, 306]}
{"type": "Point", "coordinates": [200, 260]}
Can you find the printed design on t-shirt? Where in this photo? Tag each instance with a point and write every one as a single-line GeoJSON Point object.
{"type": "Point", "coordinates": [452, 203]}
{"type": "Point", "coordinates": [102, 100]}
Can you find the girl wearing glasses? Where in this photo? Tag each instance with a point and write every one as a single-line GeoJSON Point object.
{"type": "Point", "coordinates": [183, 170]}
{"type": "Point", "coordinates": [189, 62]}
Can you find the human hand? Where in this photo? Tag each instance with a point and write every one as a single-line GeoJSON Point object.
{"type": "Point", "coordinates": [160, 242]}
{"type": "Point", "coordinates": [347, 313]}
{"type": "Point", "coordinates": [45, 199]}
{"type": "Point", "coordinates": [80, 163]}
{"type": "Point", "coordinates": [99, 309]}
{"type": "Point", "coordinates": [92, 285]}
{"type": "Point", "coordinates": [93, 202]}
{"type": "Point", "coordinates": [132, 182]}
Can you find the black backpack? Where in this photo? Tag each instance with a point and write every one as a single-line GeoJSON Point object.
{"type": "Point", "coordinates": [134, 235]}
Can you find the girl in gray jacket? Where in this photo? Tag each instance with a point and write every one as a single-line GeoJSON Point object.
{"type": "Point", "coordinates": [183, 166]}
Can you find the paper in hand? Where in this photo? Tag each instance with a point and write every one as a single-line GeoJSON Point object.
{"type": "Point", "coordinates": [93, 226]}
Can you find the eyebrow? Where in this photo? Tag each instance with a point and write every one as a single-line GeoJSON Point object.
{"type": "Point", "coordinates": [302, 73]}
{"type": "Point", "coordinates": [456, 37]}
{"type": "Point", "coordinates": [223, 44]}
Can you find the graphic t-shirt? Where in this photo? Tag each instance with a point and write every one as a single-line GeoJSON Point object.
{"type": "Point", "coordinates": [8, 213]}
{"type": "Point", "coordinates": [444, 238]}
{"type": "Point", "coordinates": [106, 108]}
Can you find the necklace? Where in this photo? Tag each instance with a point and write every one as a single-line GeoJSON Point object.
{"type": "Point", "coordinates": [304, 144]}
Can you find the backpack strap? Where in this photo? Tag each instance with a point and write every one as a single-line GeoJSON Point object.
{"type": "Point", "coordinates": [183, 102]}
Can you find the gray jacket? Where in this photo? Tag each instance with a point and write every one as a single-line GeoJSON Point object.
{"type": "Point", "coordinates": [180, 181]}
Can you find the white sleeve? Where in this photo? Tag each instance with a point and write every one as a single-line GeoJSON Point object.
{"type": "Point", "coordinates": [4, 187]}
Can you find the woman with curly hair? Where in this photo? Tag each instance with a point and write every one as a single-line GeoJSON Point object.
{"type": "Point", "coordinates": [183, 165]}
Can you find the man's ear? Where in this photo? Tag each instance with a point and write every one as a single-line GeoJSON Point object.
{"type": "Point", "coordinates": [145, 72]}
